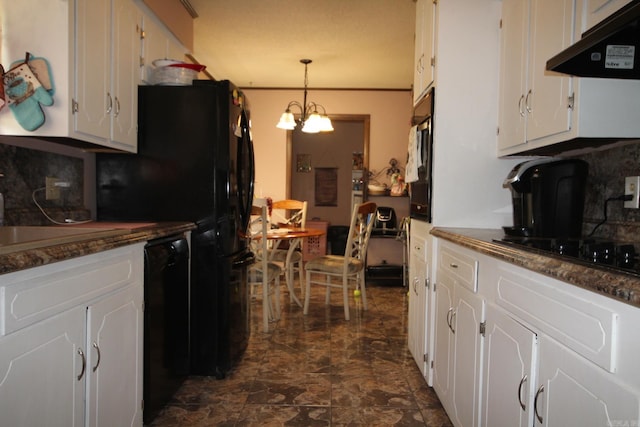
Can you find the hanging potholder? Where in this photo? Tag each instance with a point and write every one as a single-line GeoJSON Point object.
{"type": "Point", "coordinates": [24, 94]}
{"type": "Point", "coordinates": [41, 69]}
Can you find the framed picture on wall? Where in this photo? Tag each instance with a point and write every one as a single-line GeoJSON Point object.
{"type": "Point", "coordinates": [326, 187]}
{"type": "Point", "coordinates": [303, 163]}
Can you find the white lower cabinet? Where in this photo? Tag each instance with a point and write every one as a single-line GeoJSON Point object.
{"type": "Point", "coordinates": [509, 371]}
{"type": "Point", "coordinates": [459, 314]}
{"type": "Point", "coordinates": [39, 368]}
{"type": "Point", "coordinates": [418, 334]}
{"type": "Point", "coordinates": [542, 352]}
{"type": "Point", "coordinates": [571, 391]}
{"type": "Point", "coordinates": [71, 342]}
{"type": "Point", "coordinates": [114, 355]}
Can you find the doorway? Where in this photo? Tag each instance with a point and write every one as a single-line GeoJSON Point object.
{"type": "Point", "coordinates": [319, 167]}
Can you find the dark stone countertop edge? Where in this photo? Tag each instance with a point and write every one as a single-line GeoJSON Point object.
{"type": "Point", "coordinates": [22, 260]}
{"type": "Point", "coordinates": [618, 285]}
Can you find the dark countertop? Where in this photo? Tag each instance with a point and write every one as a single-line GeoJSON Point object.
{"type": "Point", "coordinates": [618, 285]}
{"type": "Point", "coordinates": [123, 234]}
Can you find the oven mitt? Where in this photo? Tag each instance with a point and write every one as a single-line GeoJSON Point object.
{"type": "Point", "coordinates": [24, 95]}
{"type": "Point", "coordinates": [41, 69]}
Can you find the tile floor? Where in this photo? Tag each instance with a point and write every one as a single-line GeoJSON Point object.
{"type": "Point", "coordinates": [318, 370]}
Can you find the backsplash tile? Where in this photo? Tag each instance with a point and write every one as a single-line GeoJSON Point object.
{"type": "Point", "coordinates": [24, 171]}
{"type": "Point", "coordinates": [607, 170]}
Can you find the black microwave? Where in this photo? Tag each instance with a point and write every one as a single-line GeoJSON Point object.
{"type": "Point", "coordinates": [420, 190]}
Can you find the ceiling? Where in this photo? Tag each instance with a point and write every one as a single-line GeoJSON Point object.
{"type": "Point", "coordinates": [365, 44]}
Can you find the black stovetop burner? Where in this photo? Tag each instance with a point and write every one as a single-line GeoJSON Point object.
{"type": "Point", "coordinates": [606, 253]}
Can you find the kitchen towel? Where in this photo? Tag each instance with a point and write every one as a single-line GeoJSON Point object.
{"type": "Point", "coordinates": [413, 158]}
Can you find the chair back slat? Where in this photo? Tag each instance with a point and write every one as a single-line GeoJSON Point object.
{"type": "Point", "coordinates": [360, 230]}
{"type": "Point", "coordinates": [289, 212]}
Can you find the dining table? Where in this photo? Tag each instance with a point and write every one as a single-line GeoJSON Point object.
{"type": "Point", "coordinates": [294, 236]}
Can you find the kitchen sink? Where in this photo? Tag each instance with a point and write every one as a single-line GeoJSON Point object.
{"type": "Point", "coordinates": [18, 238]}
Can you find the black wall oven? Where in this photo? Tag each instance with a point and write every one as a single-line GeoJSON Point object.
{"type": "Point", "coordinates": [420, 191]}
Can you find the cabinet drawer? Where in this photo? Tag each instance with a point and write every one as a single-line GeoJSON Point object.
{"type": "Point", "coordinates": [463, 268]}
{"type": "Point", "coordinates": [580, 324]}
{"type": "Point", "coordinates": [29, 296]}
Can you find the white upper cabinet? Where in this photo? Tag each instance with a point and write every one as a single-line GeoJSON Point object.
{"type": "Point", "coordinates": [541, 110]}
{"type": "Point", "coordinates": [157, 43]}
{"type": "Point", "coordinates": [532, 104]}
{"type": "Point", "coordinates": [45, 29]}
{"type": "Point", "coordinates": [424, 60]}
{"type": "Point", "coordinates": [597, 10]}
{"type": "Point", "coordinates": [107, 72]}
{"type": "Point", "coordinates": [93, 49]}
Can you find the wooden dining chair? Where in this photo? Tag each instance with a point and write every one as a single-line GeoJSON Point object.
{"type": "Point", "coordinates": [263, 272]}
{"type": "Point", "coordinates": [348, 267]}
{"type": "Point", "coordinates": [290, 213]}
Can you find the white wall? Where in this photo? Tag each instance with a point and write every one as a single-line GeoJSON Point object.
{"type": "Point", "coordinates": [390, 113]}
{"type": "Point", "coordinates": [467, 173]}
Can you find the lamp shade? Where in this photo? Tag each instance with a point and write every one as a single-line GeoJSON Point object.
{"type": "Point", "coordinates": [287, 121]}
{"type": "Point", "coordinates": [313, 123]}
{"type": "Point", "coordinates": [325, 124]}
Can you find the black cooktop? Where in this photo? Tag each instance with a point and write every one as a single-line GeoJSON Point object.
{"type": "Point", "coordinates": [619, 256]}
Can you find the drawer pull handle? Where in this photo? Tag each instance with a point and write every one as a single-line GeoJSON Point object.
{"type": "Point", "coordinates": [95, 345]}
{"type": "Point", "coordinates": [535, 403]}
{"type": "Point", "coordinates": [453, 265]}
{"type": "Point", "coordinates": [84, 364]}
{"type": "Point", "coordinates": [522, 381]}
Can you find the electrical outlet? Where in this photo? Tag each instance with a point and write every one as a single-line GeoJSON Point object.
{"type": "Point", "coordinates": [632, 186]}
{"type": "Point", "coordinates": [52, 191]}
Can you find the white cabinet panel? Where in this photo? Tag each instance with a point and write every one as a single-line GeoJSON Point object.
{"type": "Point", "coordinates": [114, 344]}
{"type": "Point", "coordinates": [539, 109]}
{"type": "Point", "coordinates": [424, 47]}
{"type": "Point", "coordinates": [533, 104]}
{"type": "Point", "coordinates": [574, 392]}
{"type": "Point", "coordinates": [84, 359]}
{"type": "Point", "coordinates": [458, 342]}
{"type": "Point", "coordinates": [509, 371]}
{"type": "Point", "coordinates": [107, 74]}
{"type": "Point", "coordinates": [467, 359]}
{"type": "Point", "coordinates": [39, 370]}
{"type": "Point", "coordinates": [418, 296]}
{"type": "Point", "coordinates": [93, 49]}
{"type": "Point", "coordinates": [597, 10]}
{"type": "Point", "coordinates": [421, 297]}
{"type": "Point", "coordinates": [587, 328]}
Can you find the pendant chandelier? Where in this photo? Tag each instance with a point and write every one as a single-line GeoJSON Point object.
{"type": "Point", "coordinates": [311, 120]}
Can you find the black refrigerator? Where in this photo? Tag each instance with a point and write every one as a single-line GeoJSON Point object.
{"type": "Point", "coordinates": [194, 163]}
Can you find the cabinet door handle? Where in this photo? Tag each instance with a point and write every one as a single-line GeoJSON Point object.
{"type": "Point", "coordinates": [453, 265]}
{"type": "Point", "coordinates": [522, 381]}
{"type": "Point", "coordinates": [535, 403]}
{"type": "Point", "coordinates": [109, 103]}
{"type": "Point", "coordinates": [450, 315]}
{"type": "Point", "coordinates": [117, 107]}
{"type": "Point", "coordinates": [520, 102]}
{"type": "Point", "coordinates": [453, 316]}
{"type": "Point", "coordinates": [95, 345]}
{"type": "Point", "coordinates": [84, 363]}
{"type": "Point", "coordinates": [527, 101]}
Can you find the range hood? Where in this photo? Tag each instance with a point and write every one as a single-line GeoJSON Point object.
{"type": "Point", "coordinates": [611, 49]}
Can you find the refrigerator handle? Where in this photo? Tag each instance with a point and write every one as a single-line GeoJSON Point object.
{"type": "Point", "coordinates": [249, 186]}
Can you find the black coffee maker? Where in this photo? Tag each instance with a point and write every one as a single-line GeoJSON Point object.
{"type": "Point", "coordinates": [548, 197]}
